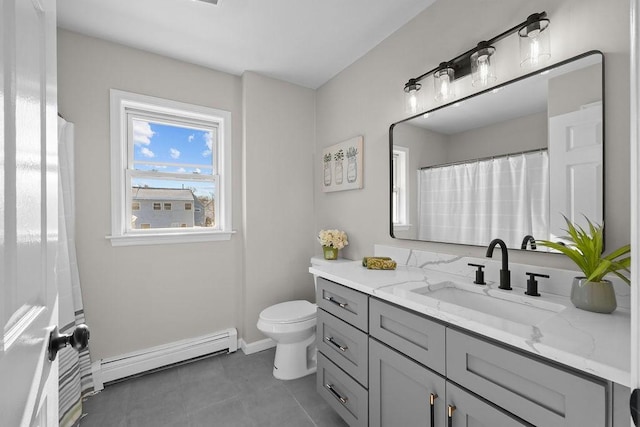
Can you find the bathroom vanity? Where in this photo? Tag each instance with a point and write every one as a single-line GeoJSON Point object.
{"type": "Point", "coordinates": [422, 345]}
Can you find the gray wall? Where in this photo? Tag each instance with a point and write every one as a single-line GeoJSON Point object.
{"type": "Point", "coordinates": [143, 296]}
{"type": "Point", "coordinates": [278, 201]}
{"type": "Point", "coordinates": [346, 107]}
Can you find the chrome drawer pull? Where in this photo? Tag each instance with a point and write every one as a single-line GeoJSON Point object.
{"type": "Point", "coordinates": [336, 394]}
{"type": "Point", "coordinates": [332, 341]}
{"type": "Point", "coordinates": [341, 304]}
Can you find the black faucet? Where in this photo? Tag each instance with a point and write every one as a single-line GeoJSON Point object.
{"type": "Point", "coordinates": [528, 238]}
{"type": "Point", "coordinates": [505, 274]}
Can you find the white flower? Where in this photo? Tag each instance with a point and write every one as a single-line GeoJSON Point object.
{"type": "Point", "coordinates": [333, 238]}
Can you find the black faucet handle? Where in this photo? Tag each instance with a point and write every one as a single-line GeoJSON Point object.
{"type": "Point", "coordinates": [532, 283]}
{"type": "Point", "coordinates": [479, 274]}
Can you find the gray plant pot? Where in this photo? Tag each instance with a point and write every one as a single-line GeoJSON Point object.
{"type": "Point", "coordinates": [593, 296]}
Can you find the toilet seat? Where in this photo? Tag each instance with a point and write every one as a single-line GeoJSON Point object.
{"type": "Point", "coordinates": [289, 312]}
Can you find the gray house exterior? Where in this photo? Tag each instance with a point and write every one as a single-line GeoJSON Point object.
{"type": "Point", "coordinates": [165, 208]}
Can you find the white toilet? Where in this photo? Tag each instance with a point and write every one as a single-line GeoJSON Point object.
{"type": "Point", "coordinates": [292, 325]}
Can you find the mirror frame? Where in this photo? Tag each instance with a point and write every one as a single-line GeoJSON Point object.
{"type": "Point", "coordinates": [489, 89]}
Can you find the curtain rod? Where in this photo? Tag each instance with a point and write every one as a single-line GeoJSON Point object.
{"type": "Point", "coordinates": [500, 156]}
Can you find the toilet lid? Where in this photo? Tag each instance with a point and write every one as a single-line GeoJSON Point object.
{"type": "Point", "coordinates": [289, 312]}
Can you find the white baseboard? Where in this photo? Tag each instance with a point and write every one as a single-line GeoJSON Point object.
{"type": "Point", "coordinates": [115, 368]}
{"type": "Point", "coordinates": [256, 346]}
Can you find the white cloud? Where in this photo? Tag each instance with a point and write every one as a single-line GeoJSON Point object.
{"type": "Point", "coordinates": [191, 137]}
{"type": "Point", "coordinates": [196, 170]}
{"type": "Point", "coordinates": [142, 132]}
{"type": "Point", "coordinates": [174, 153]}
{"type": "Point", "coordinates": [208, 139]}
{"type": "Point", "coordinates": [146, 152]}
{"type": "Point", "coordinates": [181, 170]}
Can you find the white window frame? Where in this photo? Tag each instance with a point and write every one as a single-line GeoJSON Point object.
{"type": "Point", "coordinates": [121, 103]}
{"type": "Point", "coordinates": [401, 187]}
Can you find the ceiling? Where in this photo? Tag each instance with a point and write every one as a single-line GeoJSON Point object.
{"type": "Point", "coordinates": [305, 42]}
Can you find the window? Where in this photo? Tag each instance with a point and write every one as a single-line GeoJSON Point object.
{"type": "Point", "coordinates": [400, 189]}
{"type": "Point", "coordinates": [172, 153]}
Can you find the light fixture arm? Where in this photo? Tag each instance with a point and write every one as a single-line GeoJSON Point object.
{"type": "Point", "coordinates": [462, 63]}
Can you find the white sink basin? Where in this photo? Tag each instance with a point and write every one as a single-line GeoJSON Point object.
{"type": "Point", "coordinates": [509, 305]}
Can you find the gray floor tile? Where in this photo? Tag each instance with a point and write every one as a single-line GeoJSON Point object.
{"type": "Point", "coordinates": [274, 407]}
{"type": "Point", "coordinates": [232, 390]}
{"type": "Point", "coordinates": [230, 413]}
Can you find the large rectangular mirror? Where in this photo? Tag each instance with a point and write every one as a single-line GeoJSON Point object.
{"type": "Point", "coordinates": [505, 163]}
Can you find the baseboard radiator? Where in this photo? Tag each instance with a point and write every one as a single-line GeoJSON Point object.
{"type": "Point", "coordinates": [126, 365]}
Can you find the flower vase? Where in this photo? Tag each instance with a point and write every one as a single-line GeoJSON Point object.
{"type": "Point", "coordinates": [327, 174]}
{"type": "Point", "coordinates": [352, 169]}
{"type": "Point", "coordinates": [330, 252]}
{"type": "Point", "coordinates": [338, 172]}
{"type": "Point", "coordinates": [598, 297]}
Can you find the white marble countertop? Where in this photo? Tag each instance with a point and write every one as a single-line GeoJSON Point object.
{"type": "Point", "coordinates": [598, 344]}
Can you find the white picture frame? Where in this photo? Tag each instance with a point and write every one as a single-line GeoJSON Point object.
{"type": "Point", "coordinates": [341, 166]}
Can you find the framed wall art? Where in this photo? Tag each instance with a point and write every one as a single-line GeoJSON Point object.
{"type": "Point", "coordinates": [342, 165]}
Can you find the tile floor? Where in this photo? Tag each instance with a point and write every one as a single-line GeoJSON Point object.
{"type": "Point", "coordinates": [227, 390]}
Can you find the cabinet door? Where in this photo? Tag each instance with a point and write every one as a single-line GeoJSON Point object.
{"type": "Point", "coordinates": [403, 392]}
{"type": "Point", "coordinates": [463, 409]}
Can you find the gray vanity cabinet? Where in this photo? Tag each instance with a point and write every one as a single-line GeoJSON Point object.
{"type": "Point", "coordinates": [381, 365]}
{"type": "Point", "coordinates": [403, 392]}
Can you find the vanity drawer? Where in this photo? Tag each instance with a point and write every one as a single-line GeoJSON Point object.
{"type": "Point", "coordinates": [343, 393]}
{"type": "Point", "coordinates": [418, 337]}
{"type": "Point", "coordinates": [345, 345]}
{"type": "Point", "coordinates": [539, 393]}
{"type": "Point", "coordinates": [347, 304]}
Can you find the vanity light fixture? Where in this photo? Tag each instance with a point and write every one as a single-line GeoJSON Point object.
{"type": "Point", "coordinates": [412, 100]}
{"type": "Point", "coordinates": [534, 48]}
{"type": "Point", "coordinates": [534, 41]}
{"type": "Point", "coordinates": [482, 73]}
{"type": "Point", "coordinates": [443, 82]}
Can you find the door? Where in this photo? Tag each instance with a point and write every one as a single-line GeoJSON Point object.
{"type": "Point", "coordinates": [575, 168]}
{"type": "Point", "coordinates": [466, 410]}
{"type": "Point", "coordinates": [28, 212]}
{"type": "Point", "coordinates": [402, 392]}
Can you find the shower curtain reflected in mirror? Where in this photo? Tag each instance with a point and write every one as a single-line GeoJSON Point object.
{"type": "Point", "coordinates": [472, 203]}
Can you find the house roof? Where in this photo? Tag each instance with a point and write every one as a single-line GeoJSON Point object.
{"type": "Point", "coordinates": [162, 194]}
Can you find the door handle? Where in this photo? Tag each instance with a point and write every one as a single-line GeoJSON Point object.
{"type": "Point", "coordinates": [634, 406]}
{"type": "Point", "coordinates": [79, 340]}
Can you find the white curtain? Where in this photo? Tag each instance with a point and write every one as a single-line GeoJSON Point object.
{"type": "Point", "coordinates": [75, 367]}
{"type": "Point", "coordinates": [473, 203]}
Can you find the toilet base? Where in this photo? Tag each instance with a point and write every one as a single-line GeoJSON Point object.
{"type": "Point", "coordinates": [296, 360]}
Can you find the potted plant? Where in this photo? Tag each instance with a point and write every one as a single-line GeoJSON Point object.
{"type": "Point", "coordinates": [592, 292]}
{"type": "Point", "coordinates": [332, 241]}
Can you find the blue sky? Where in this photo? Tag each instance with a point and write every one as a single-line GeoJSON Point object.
{"type": "Point", "coordinates": [169, 148]}
{"type": "Point", "coordinates": [154, 142]}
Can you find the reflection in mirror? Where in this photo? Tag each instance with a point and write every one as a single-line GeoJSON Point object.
{"type": "Point", "coordinates": [506, 163]}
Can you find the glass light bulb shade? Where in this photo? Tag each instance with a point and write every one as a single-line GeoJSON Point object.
{"type": "Point", "coordinates": [482, 72]}
{"type": "Point", "coordinates": [412, 98]}
{"type": "Point", "coordinates": [443, 84]}
{"type": "Point", "coordinates": [535, 44]}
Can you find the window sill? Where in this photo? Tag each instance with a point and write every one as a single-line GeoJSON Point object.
{"type": "Point", "coordinates": [169, 238]}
